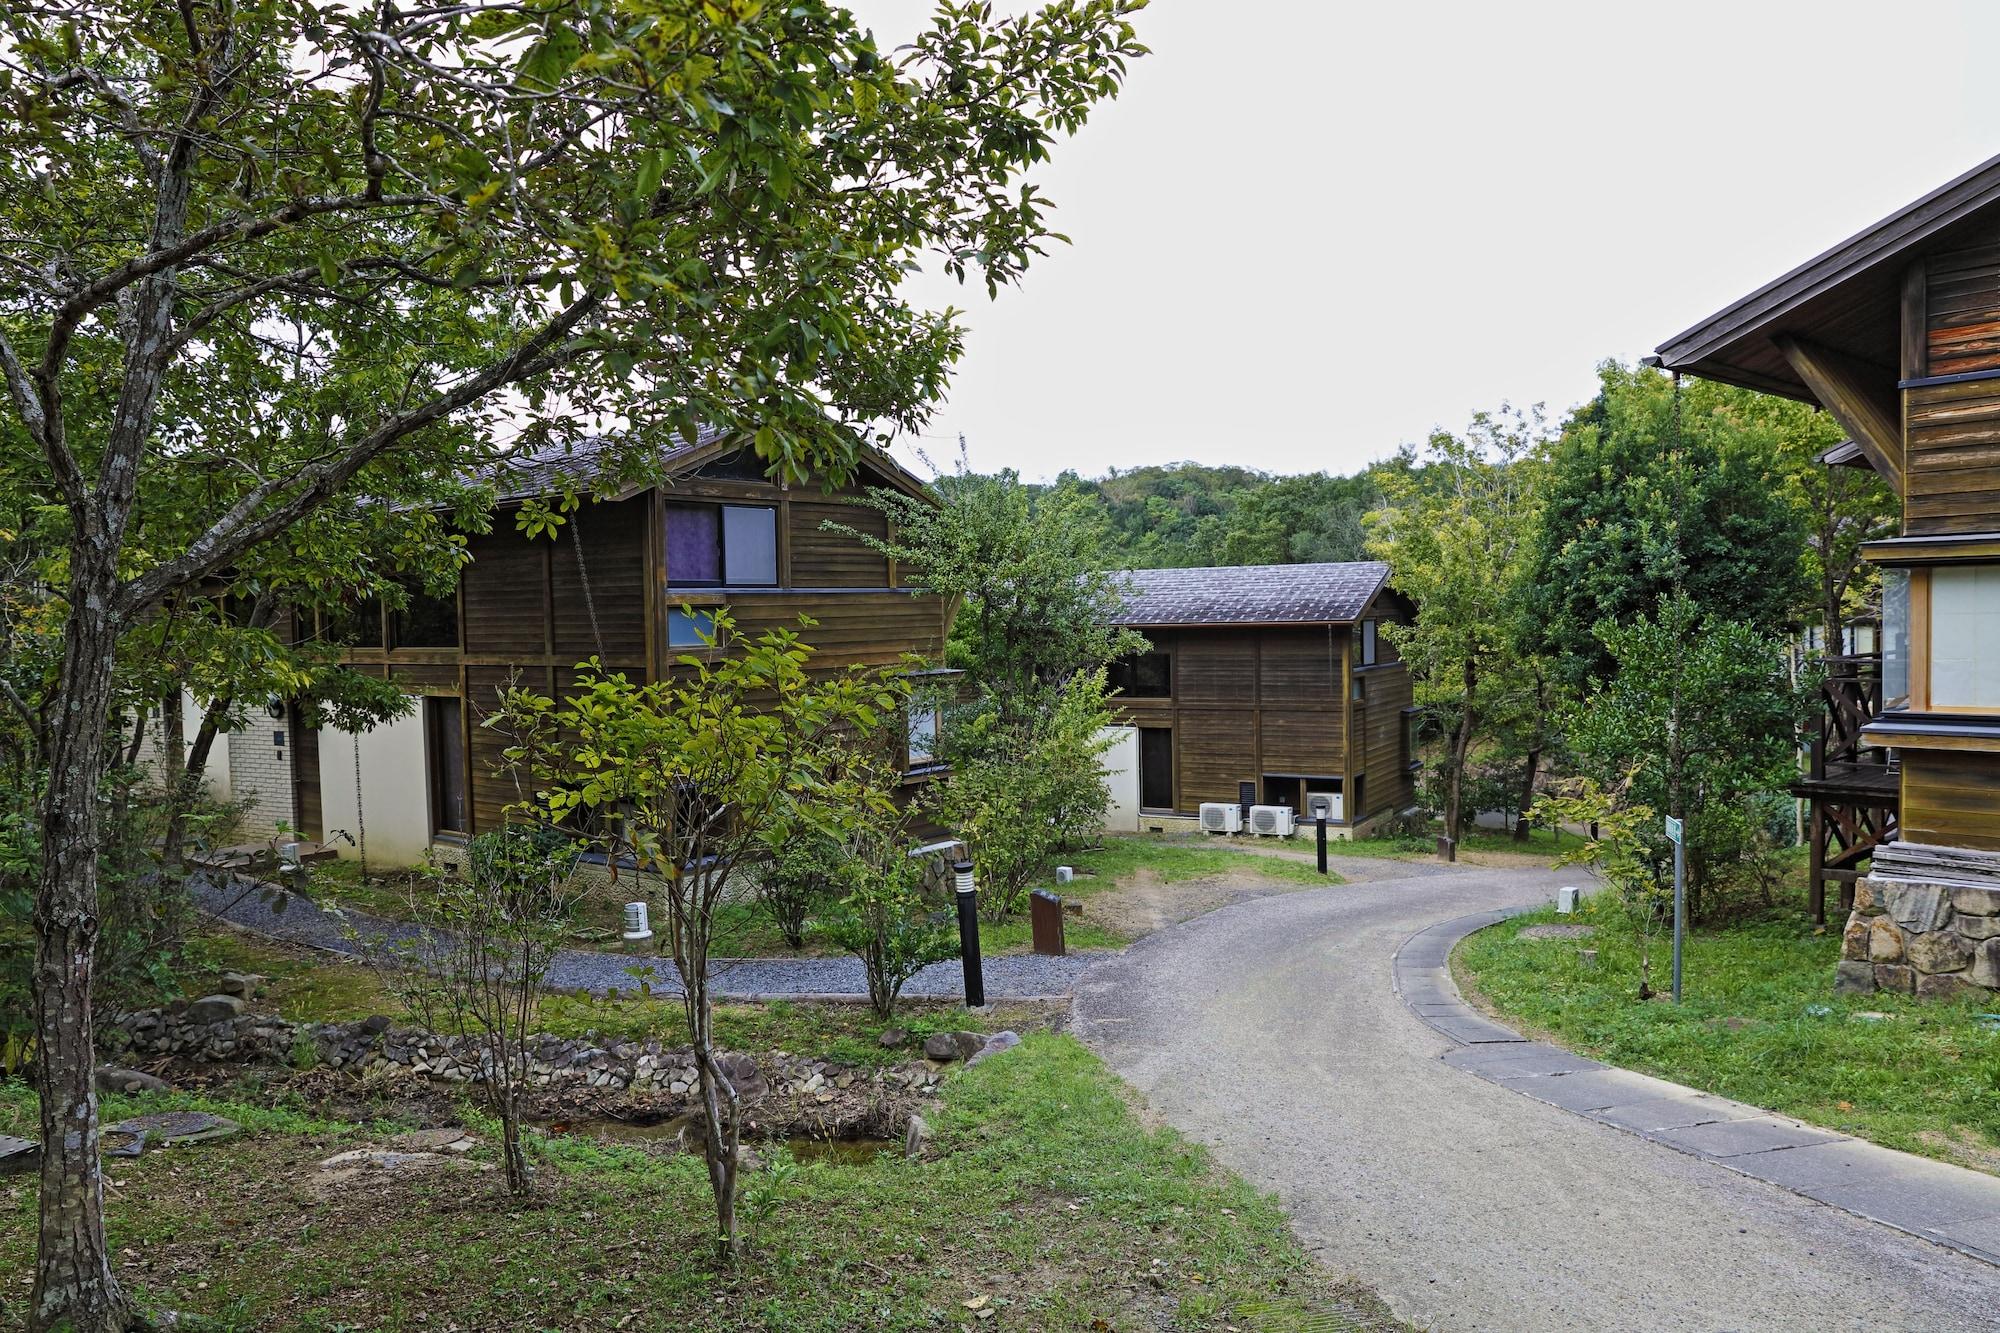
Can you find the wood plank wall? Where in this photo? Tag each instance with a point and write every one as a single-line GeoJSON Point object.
{"type": "Point", "coordinates": [525, 617]}
{"type": "Point", "coordinates": [1952, 431]}
{"type": "Point", "coordinates": [1951, 798]}
{"type": "Point", "coordinates": [1246, 702]}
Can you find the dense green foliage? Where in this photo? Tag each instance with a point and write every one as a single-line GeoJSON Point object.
{"type": "Point", "coordinates": [1650, 493]}
{"type": "Point", "coordinates": [1192, 514]}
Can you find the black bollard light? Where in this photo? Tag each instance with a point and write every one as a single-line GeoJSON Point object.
{"type": "Point", "coordinates": [968, 935]}
{"type": "Point", "coordinates": [1321, 822]}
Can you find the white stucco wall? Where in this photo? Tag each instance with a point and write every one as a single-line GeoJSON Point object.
{"type": "Point", "coordinates": [396, 815]}
{"type": "Point", "coordinates": [215, 776]}
{"type": "Point", "coordinates": [1121, 766]}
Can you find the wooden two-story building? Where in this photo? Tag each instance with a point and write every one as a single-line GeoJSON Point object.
{"type": "Point", "coordinates": [1896, 333]}
{"type": "Point", "coordinates": [1264, 685]}
{"type": "Point", "coordinates": [634, 579]}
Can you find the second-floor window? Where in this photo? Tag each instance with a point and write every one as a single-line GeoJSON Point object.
{"type": "Point", "coordinates": [722, 546]}
{"type": "Point", "coordinates": [1367, 643]}
{"type": "Point", "coordinates": [1148, 675]}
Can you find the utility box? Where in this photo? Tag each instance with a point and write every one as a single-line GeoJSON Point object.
{"type": "Point", "coordinates": [1045, 923]}
{"type": "Point", "coordinates": [1567, 898]}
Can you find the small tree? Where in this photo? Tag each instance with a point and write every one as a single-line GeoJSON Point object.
{"type": "Point", "coordinates": [883, 917]}
{"type": "Point", "coordinates": [1699, 717]}
{"type": "Point", "coordinates": [685, 772]}
{"type": "Point", "coordinates": [796, 879]}
{"type": "Point", "coordinates": [1454, 532]}
{"type": "Point", "coordinates": [476, 968]}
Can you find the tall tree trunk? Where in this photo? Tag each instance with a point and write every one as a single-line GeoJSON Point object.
{"type": "Point", "coordinates": [1528, 794]}
{"type": "Point", "coordinates": [74, 1285]}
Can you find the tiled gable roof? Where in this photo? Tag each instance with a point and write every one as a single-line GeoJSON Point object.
{"type": "Point", "coordinates": [1251, 594]}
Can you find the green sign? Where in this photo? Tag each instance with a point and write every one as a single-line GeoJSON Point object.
{"type": "Point", "coordinates": [1673, 830]}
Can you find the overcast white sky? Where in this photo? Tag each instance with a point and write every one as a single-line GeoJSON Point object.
{"type": "Point", "coordinates": [1311, 231]}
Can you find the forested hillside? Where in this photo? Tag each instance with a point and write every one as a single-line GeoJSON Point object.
{"type": "Point", "coordinates": [1181, 514]}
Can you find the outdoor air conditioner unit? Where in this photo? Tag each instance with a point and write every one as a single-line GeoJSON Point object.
{"type": "Point", "coordinates": [1323, 805]}
{"type": "Point", "coordinates": [1272, 820]}
{"type": "Point", "coordinates": [1219, 818]}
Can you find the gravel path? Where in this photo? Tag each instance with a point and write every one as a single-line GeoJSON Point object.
{"type": "Point", "coordinates": [1270, 1031]}
{"type": "Point", "coordinates": [298, 920]}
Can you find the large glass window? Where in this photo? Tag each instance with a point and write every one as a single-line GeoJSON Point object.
{"type": "Point", "coordinates": [713, 546]}
{"type": "Point", "coordinates": [1895, 638]}
{"type": "Point", "coordinates": [1148, 675]}
{"type": "Point", "coordinates": [1965, 636]}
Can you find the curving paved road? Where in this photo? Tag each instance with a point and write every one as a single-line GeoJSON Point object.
{"type": "Point", "coordinates": [1269, 1030]}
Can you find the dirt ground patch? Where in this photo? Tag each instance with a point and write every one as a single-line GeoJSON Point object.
{"type": "Point", "coordinates": [1146, 903]}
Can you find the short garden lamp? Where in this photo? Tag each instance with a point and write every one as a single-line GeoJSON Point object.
{"type": "Point", "coordinates": [968, 935]}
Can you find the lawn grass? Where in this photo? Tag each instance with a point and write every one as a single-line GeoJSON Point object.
{"type": "Point", "coordinates": [745, 930]}
{"type": "Point", "coordinates": [311, 987]}
{"type": "Point", "coordinates": [1759, 1023]}
{"type": "Point", "coordinates": [1047, 1202]}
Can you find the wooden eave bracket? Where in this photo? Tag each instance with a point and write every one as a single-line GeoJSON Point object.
{"type": "Point", "coordinates": [1861, 397]}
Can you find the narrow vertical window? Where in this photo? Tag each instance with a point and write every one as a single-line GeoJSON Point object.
{"type": "Point", "coordinates": [749, 546]}
{"type": "Point", "coordinates": [1367, 643]}
{"type": "Point", "coordinates": [694, 546]}
{"type": "Point", "coordinates": [444, 746]}
{"type": "Point", "coordinates": [1895, 638]}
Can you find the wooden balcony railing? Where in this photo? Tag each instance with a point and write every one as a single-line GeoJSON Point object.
{"type": "Point", "coordinates": [1850, 698]}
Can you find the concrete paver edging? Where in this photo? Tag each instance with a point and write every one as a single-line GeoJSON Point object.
{"type": "Point", "coordinates": [1948, 1205]}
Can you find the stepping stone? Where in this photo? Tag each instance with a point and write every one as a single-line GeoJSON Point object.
{"type": "Point", "coordinates": [179, 1127]}
{"type": "Point", "coordinates": [18, 1155]}
{"type": "Point", "coordinates": [1556, 933]}
{"type": "Point", "coordinates": [451, 1139]}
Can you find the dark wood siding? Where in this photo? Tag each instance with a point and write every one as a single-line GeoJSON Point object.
{"type": "Point", "coordinates": [615, 543]}
{"type": "Point", "coordinates": [1379, 739]}
{"type": "Point", "coordinates": [505, 591]}
{"type": "Point", "coordinates": [1953, 470]}
{"type": "Point", "coordinates": [1252, 701]}
{"type": "Point", "coordinates": [822, 559]}
{"type": "Point", "coordinates": [1962, 311]}
{"type": "Point", "coordinates": [1951, 798]}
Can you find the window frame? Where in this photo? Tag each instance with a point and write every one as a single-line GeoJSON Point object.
{"type": "Point", "coordinates": [726, 577]}
{"type": "Point", "coordinates": [1368, 653]}
{"type": "Point", "coordinates": [1928, 621]}
{"type": "Point", "coordinates": [1126, 673]}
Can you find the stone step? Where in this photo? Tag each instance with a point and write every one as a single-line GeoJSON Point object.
{"type": "Point", "coordinates": [18, 1155]}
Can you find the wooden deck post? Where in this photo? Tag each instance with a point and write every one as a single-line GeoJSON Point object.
{"type": "Point", "coordinates": [1817, 869]}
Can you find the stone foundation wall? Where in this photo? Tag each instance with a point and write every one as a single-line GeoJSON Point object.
{"type": "Point", "coordinates": [1935, 940]}
{"type": "Point", "coordinates": [215, 1030]}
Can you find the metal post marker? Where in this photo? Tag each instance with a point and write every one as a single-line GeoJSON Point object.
{"type": "Point", "coordinates": [1675, 835]}
{"type": "Point", "coordinates": [968, 936]}
{"type": "Point", "coordinates": [1321, 822]}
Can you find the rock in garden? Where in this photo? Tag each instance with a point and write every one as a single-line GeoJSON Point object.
{"type": "Point", "coordinates": [743, 1075]}
{"type": "Point", "coordinates": [180, 1126]}
{"type": "Point", "coordinates": [453, 1139]}
{"type": "Point", "coordinates": [110, 1078]}
{"type": "Point", "coordinates": [998, 1042]}
{"type": "Point", "coordinates": [953, 1045]}
{"type": "Point", "coordinates": [374, 1025]}
{"type": "Point", "coordinates": [381, 1159]}
{"type": "Point", "coordinates": [916, 1136]}
{"type": "Point", "coordinates": [214, 1009]}
{"type": "Point", "coordinates": [1853, 979]}
{"type": "Point", "coordinates": [894, 1038]}
{"type": "Point", "coordinates": [1938, 951]}
{"type": "Point", "coordinates": [1556, 933]}
{"type": "Point", "coordinates": [242, 984]}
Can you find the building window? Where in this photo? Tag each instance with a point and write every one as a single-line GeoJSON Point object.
{"type": "Point", "coordinates": [425, 621]}
{"type": "Point", "coordinates": [356, 624]}
{"type": "Point", "coordinates": [1895, 638]}
{"type": "Point", "coordinates": [718, 546]}
{"type": "Point", "coordinates": [1368, 643]}
{"type": "Point", "coordinates": [1357, 688]}
{"type": "Point", "coordinates": [922, 733]}
{"type": "Point", "coordinates": [444, 753]}
{"type": "Point", "coordinates": [1147, 675]}
{"type": "Point", "coordinates": [1965, 636]}
{"type": "Point", "coordinates": [691, 627]}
